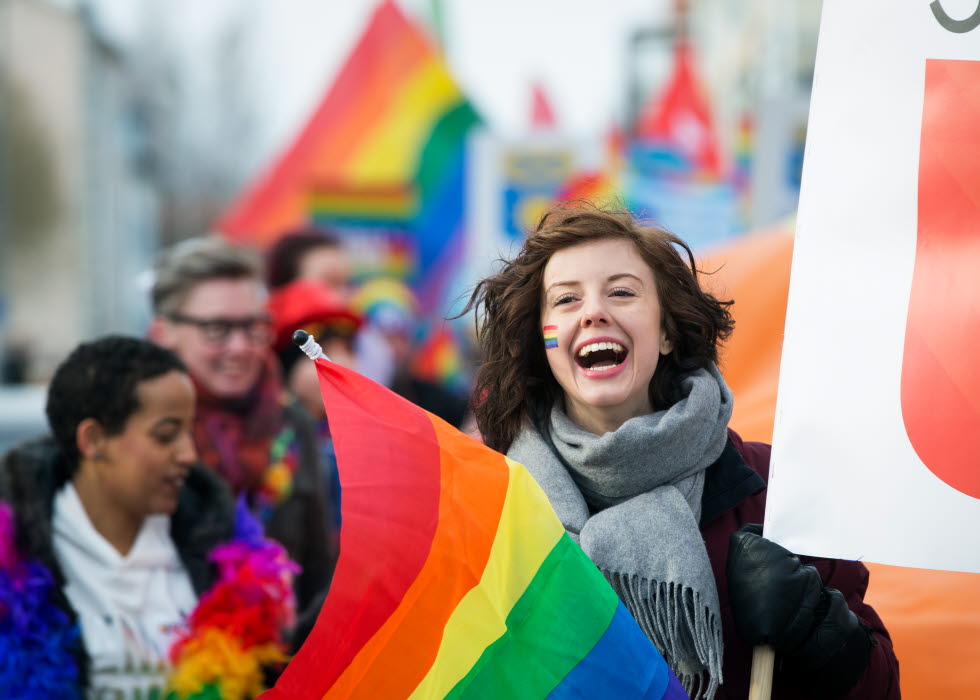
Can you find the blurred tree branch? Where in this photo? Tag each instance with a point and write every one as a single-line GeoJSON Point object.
{"type": "Point", "coordinates": [201, 115]}
{"type": "Point", "coordinates": [32, 196]}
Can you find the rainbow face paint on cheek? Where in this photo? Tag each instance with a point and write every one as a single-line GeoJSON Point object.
{"type": "Point", "coordinates": [550, 337]}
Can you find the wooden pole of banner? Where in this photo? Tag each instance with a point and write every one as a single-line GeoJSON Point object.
{"type": "Point", "coordinates": [760, 682]}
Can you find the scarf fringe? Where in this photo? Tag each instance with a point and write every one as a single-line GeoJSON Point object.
{"type": "Point", "coordinates": [678, 622]}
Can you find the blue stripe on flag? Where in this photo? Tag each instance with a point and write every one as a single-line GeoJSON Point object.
{"type": "Point", "coordinates": [622, 664]}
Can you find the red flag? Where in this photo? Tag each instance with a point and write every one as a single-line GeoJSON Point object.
{"type": "Point", "coordinates": [681, 117]}
{"type": "Point", "coordinates": [542, 115]}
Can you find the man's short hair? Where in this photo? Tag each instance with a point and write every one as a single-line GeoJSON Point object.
{"type": "Point", "coordinates": [196, 260]}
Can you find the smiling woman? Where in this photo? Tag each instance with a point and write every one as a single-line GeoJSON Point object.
{"type": "Point", "coordinates": [610, 337]}
{"type": "Point", "coordinates": [110, 540]}
{"type": "Point", "coordinates": [531, 311]}
{"type": "Point", "coordinates": [600, 377]}
{"type": "Point", "coordinates": [114, 507]}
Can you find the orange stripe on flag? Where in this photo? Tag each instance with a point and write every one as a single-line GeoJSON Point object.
{"type": "Point", "coordinates": [335, 157]}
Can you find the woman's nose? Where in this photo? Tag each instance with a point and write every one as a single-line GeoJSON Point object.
{"type": "Point", "coordinates": [186, 451]}
{"type": "Point", "coordinates": [594, 314]}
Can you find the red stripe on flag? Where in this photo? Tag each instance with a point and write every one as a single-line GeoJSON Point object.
{"type": "Point", "coordinates": [474, 486]}
{"type": "Point", "coordinates": [940, 374]}
{"type": "Point", "coordinates": [390, 502]}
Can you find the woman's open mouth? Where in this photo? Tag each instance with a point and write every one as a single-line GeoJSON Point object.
{"type": "Point", "coordinates": [601, 356]}
{"type": "Point", "coordinates": [175, 482]}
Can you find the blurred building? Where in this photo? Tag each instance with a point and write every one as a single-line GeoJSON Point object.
{"type": "Point", "coordinates": [755, 60]}
{"type": "Point", "coordinates": [760, 65]}
{"type": "Point", "coordinates": [79, 202]}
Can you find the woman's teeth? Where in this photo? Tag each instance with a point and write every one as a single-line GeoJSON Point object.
{"type": "Point", "coordinates": [600, 368]}
{"type": "Point", "coordinates": [595, 347]}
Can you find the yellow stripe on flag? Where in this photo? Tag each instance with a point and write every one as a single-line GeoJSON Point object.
{"type": "Point", "coordinates": [527, 532]}
{"type": "Point", "coordinates": [390, 153]}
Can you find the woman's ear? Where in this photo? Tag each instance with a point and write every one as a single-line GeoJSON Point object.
{"type": "Point", "coordinates": [90, 439]}
{"type": "Point", "coordinates": [159, 331]}
{"type": "Point", "coordinates": [667, 329]}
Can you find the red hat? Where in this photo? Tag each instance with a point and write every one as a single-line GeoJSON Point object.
{"type": "Point", "coordinates": [312, 306]}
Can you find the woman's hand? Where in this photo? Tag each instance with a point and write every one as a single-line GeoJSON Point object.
{"type": "Point", "coordinates": [774, 596]}
{"type": "Point", "coordinates": [779, 601]}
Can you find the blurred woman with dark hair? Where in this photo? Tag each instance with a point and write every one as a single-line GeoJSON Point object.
{"type": "Point", "coordinates": [109, 530]}
{"type": "Point", "coordinates": [311, 254]}
{"type": "Point", "coordinates": [600, 377]}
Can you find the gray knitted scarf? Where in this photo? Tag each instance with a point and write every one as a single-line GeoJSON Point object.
{"type": "Point", "coordinates": [632, 500]}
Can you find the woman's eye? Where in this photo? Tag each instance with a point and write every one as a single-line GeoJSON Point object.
{"type": "Point", "coordinates": [165, 438]}
{"type": "Point", "coordinates": [564, 299]}
{"type": "Point", "coordinates": [622, 292]}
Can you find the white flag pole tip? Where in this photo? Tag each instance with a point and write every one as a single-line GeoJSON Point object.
{"type": "Point", "coordinates": [305, 342]}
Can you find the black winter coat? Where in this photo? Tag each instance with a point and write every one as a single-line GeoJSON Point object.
{"type": "Point", "coordinates": [299, 522]}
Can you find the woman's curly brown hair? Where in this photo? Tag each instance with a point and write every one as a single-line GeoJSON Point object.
{"type": "Point", "coordinates": [515, 382]}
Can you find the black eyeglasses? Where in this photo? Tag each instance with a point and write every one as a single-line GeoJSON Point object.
{"type": "Point", "coordinates": [257, 329]}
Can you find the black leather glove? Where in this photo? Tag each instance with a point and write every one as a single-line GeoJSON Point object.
{"type": "Point", "coordinates": [774, 596]}
{"type": "Point", "coordinates": [838, 649]}
{"type": "Point", "coordinates": [776, 600]}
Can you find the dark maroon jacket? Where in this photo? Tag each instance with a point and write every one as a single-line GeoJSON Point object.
{"type": "Point", "coordinates": [734, 495]}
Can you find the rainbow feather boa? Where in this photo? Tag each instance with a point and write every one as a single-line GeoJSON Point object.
{"type": "Point", "coordinates": [234, 632]}
{"type": "Point", "coordinates": [38, 642]}
{"type": "Point", "coordinates": [236, 628]}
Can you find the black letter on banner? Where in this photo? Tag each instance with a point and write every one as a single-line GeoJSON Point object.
{"type": "Point", "coordinates": [958, 26]}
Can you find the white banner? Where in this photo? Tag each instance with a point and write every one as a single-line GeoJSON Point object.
{"type": "Point", "coordinates": [876, 449]}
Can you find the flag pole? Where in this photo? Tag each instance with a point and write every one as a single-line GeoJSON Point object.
{"type": "Point", "coordinates": [760, 682]}
{"type": "Point", "coordinates": [305, 342]}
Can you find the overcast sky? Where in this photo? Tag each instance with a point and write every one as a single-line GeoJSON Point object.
{"type": "Point", "coordinates": [496, 49]}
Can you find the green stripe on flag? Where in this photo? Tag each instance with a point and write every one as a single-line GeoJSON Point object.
{"type": "Point", "coordinates": [564, 612]}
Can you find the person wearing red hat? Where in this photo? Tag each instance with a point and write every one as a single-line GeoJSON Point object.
{"type": "Point", "coordinates": [316, 309]}
{"type": "Point", "coordinates": [318, 254]}
{"type": "Point", "coordinates": [321, 312]}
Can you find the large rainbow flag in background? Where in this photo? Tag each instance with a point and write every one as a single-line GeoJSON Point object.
{"type": "Point", "coordinates": [384, 154]}
{"type": "Point", "coordinates": [455, 577]}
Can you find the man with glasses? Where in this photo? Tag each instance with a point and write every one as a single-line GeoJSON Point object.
{"type": "Point", "coordinates": [209, 305]}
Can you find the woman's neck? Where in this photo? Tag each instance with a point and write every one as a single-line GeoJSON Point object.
{"type": "Point", "coordinates": [600, 421]}
{"type": "Point", "coordinates": [118, 526]}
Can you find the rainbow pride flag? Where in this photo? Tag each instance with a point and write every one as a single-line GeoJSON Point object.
{"type": "Point", "coordinates": [551, 337]}
{"type": "Point", "coordinates": [601, 186]}
{"type": "Point", "coordinates": [455, 577]}
{"type": "Point", "coordinates": [439, 359]}
{"type": "Point", "coordinates": [384, 150]}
